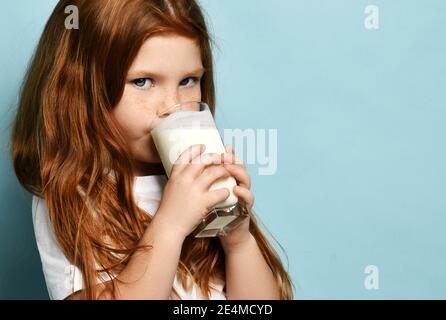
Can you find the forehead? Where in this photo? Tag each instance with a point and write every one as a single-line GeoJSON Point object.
{"type": "Point", "coordinates": [167, 54]}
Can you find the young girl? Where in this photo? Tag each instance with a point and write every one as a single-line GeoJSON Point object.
{"type": "Point", "coordinates": [81, 144]}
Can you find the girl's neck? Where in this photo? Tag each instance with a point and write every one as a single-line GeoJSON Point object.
{"type": "Point", "coordinates": [148, 169]}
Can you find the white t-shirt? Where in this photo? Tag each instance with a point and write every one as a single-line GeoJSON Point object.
{"type": "Point", "coordinates": [63, 278]}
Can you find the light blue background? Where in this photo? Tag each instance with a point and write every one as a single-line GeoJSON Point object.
{"type": "Point", "coordinates": [361, 157]}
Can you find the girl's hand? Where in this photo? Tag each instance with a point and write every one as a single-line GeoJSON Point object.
{"type": "Point", "coordinates": [186, 197]}
{"type": "Point", "coordinates": [240, 236]}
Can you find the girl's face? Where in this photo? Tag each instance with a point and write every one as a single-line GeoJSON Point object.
{"type": "Point", "coordinates": [166, 70]}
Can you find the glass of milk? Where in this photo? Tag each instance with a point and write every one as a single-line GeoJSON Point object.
{"type": "Point", "coordinates": [190, 123]}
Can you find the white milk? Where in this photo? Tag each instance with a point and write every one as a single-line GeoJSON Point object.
{"type": "Point", "coordinates": [170, 143]}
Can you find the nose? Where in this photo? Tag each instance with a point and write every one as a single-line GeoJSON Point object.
{"type": "Point", "coordinates": [168, 106]}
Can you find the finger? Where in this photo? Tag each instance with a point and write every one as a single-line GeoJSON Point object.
{"type": "Point", "coordinates": [231, 158]}
{"type": "Point", "coordinates": [199, 163]}
{"type": "Point", "coordinates": [212, 174]}
{"type": "Point", "coordinates": [240, 174]}
{"type": "Point", "coordinates": [230, 150]}
{"type": "Point", "coordinates": [244, 194]}
{"type": "Point", "coordinates": [216, 196]}
{"type": "Point", "coordinates": [186, 157]}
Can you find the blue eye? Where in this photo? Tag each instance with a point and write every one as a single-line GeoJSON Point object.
{"type": "Point", "coordinates": [142, 82]}
{"type": "Point", "coordinates": [185, 81]}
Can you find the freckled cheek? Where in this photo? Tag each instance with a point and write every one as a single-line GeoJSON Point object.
{"type": "Point", "coordinates": [144, 110]}
{"type": "Point", "coordinates": [135, 122]}
{"type": "Point", "coordinates": [194, 94]}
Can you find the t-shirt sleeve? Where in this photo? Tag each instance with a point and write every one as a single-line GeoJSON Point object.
{"type": "Point", "coordinates": [62, 278]}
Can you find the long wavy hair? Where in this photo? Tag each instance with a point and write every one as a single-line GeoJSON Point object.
{"type": "Point", "coordinates": [68, 149]}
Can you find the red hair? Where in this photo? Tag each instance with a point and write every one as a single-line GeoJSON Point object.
{"type": "Point", "coordinates": [65, 142]}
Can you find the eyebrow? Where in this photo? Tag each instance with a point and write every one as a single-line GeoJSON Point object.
{"type": "Point", "coordinates": [148, 73]}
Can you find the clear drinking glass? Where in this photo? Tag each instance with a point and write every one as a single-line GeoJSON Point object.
{"type": "Point", "coordinates": [190, 123]}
